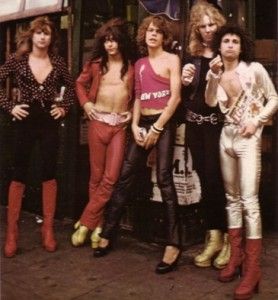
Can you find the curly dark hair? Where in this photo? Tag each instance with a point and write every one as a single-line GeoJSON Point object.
{"type": "Point", "coordinates": [246, 43]}
{"type": "Point", "coordinates": [160, 22]}
{"type": "Point", "coordinates": [117, 30]}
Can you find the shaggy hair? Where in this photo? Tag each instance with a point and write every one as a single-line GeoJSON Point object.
{"type": "Point", "coordinates": [161, 23]}
{"type": "Point", "coordinates": [24, 38]}
{"type": "Point", "coordinates": [246, 43]}
{"type": "Point", "coordinates": [115, 29]}
{"type": "Point", "coordinates": [198, 11]}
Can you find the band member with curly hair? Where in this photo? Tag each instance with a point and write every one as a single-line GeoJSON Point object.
{"type": "Point", "coordinates": [105, 90]}
{"type": "Point", "coordinates": [45, 93]}
{"type": "Point", "coordinates": [248, 99]}
{"type": "Point", "coordinates": [203, 127]}
{"type": "Point", "coordinates": [157, 94]}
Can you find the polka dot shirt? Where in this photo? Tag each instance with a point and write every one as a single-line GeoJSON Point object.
{"type": "Point", "coordinates": [31, 91]}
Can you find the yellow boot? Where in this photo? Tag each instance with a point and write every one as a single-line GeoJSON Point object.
{"type": "Point", "coordinates": [224, 256]}
{"type": "Point", "coordinates": [213, 245]}
{"type": "Point", "coordinates": [79, 236]}
{"type": "Point", "coordinates": [95, 238]}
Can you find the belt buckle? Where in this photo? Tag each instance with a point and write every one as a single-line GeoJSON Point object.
{"type": "Point", "coordinates": [113, 119]}
{"type": "Point", "coordinates": [199, 119]}
{"type": "Point", "coordinates": [213, 119]}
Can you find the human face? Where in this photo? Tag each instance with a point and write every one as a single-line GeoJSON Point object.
{"type": "Point", "coordinates": [207, 29]}
{"type": "Point", "coordinates": [230, 46]}
{"type": "Point", "coordinates": [111, 46]}
{"type": "Point", "coordinates": [154, 36]}
{"type": "Point", "coordinates": [42, 38]}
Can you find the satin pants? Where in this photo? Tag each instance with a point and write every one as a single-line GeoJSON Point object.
{"type": "Point", "coordinates": [106, 147]}
{"type": "Point", "coordinates": [137, 156]}
{"type": "Point", "coordinates": [241, 169]}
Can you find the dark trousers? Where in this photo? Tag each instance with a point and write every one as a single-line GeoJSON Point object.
{"type": "Point", "coordinates": [39, 126]}
{"type": "Point", "coordinates": [137, 156]}
{"type": "Point", "coordinates": [203, 142]}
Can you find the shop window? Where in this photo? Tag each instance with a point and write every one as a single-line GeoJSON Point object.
{"type": "Point", "coordinates": [19, 9]}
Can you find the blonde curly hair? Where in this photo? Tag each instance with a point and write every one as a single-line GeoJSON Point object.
{"type": "Point", "coordinates": [198, 11]}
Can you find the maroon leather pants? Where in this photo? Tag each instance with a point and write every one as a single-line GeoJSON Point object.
{"type": "Point", "coordinates": [106, 146]}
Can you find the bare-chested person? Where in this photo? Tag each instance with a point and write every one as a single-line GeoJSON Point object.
{"type": "Point", "coordinates": [104, 89]}
{"type": "Point", "coordinates": [247, 97]}
{"type": "Point", "coordinates": [157, 94]}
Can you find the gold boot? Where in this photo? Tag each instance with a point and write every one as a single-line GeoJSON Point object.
{"type": "Point", "coordinates": [95, 238]}
{"type": "Point", "coordinates": [224, 256]}
{"type": "Point", "coordinates": [213, 245]}
{"type": "Point", "coordinates": [79, 236]}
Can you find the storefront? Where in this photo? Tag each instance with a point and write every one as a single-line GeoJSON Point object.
{"type": "Point", "coordinates": [78, 20]}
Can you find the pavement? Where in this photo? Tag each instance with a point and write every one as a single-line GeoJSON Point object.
{"type": "Point", "coordinates": [127, 273]}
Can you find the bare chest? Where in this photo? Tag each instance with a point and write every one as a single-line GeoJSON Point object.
{"type": "Point", "coordinates": [40, 68]}
{"type": "Point", "coordinates": [231, 84]}
{"type": "Point", "coordinates": [113, 78]}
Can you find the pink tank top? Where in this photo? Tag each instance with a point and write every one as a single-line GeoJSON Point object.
{"type": "Point", "coordinates": [152, 89]}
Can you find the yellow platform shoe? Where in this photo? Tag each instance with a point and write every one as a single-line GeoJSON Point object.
{"type": "Point", "coordinates": [79, 236]}
{"type": "Point", "coordinates": [224, 256]}
{"type": "Point", "coordinates": [95, 238]}
{"type": "Point", "coordinates": [213, 245]}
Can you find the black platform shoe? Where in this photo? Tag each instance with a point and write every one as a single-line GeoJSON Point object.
{"type": "Point", "coordinates": [163, 267]}
{"type": "Point", "coordinates": [102, 251]}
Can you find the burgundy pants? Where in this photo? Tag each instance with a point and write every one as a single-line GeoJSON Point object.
{"type": "Point", "coordinates": [106, 146]}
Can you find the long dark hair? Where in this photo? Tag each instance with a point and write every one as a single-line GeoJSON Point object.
{"type": "Point", "coordinates": [246, 43]}
{"type": "Point", "coordinates": [116, 29]}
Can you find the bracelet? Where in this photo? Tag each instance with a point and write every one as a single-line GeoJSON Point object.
{"type": "Point", "coordinates": [153, 129]}
{"type": "Point", "coordinates": [158, 129]}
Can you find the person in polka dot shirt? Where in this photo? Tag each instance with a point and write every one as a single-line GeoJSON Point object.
{"type": "Point", "coordinates": [45, 92]}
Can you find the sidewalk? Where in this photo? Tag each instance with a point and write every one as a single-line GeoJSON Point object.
{"type": "Point", "coordinates": [127, 273]}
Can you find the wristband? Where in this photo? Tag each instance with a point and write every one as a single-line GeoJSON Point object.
{"type": "Point", "coordinates": [154, 130]}
{"type": "Point", "coordinates": [157, 128]}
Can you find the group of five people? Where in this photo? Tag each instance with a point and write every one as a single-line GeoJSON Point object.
{"type": "Point", "coordinates": [227, 100]}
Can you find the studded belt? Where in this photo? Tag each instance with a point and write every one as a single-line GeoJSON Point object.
{"type": "Point", "coordinates": [213, 118]}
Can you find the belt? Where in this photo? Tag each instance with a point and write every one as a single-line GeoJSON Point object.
{"type": "Point", "coordinates": [213, 118]}
{"type": "Point", "coordinates": [113, 119]}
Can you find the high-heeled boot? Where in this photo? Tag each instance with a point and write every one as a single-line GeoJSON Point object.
{"type": "Point", "coordinates": [232, 269]}
{"type": "Point", "coordinates": [213, 245]}
{"type": "Point", "coordinates": [49, 194]}
{"type": "Point", "coordinates": [95, 238]}
{"type": "Point", "coordinates": [16, 191]}
{"type": "Point", "coordinates": [223, 257]}
{"type": "Point", "coordinates": [252, 272]}
{"type": "Point", "coordinates": [79, 236]}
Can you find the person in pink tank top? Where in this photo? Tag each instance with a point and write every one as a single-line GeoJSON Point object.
{"type": "Point", "coordinates": [157, 94]}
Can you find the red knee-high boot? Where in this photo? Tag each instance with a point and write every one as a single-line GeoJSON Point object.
{"type": "Point", "coordinates": [252, 272]}
{"type": "Point", "coordinates": [16, 191]}
{"type": "Point", "coordinates": [231, 270]}
{"type": "Point", "coordinates": [49, 194]}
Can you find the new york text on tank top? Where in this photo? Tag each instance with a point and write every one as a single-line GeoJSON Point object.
{"type": "Point", "coordinates": [152, 89]}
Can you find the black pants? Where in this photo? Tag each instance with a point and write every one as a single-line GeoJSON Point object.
{"type": "Point", "coordinates": [39, 126]}
{"type": "Point", "coordinates": [203, 142]}
{"type": "Point", "coordinates": [137, 156]}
